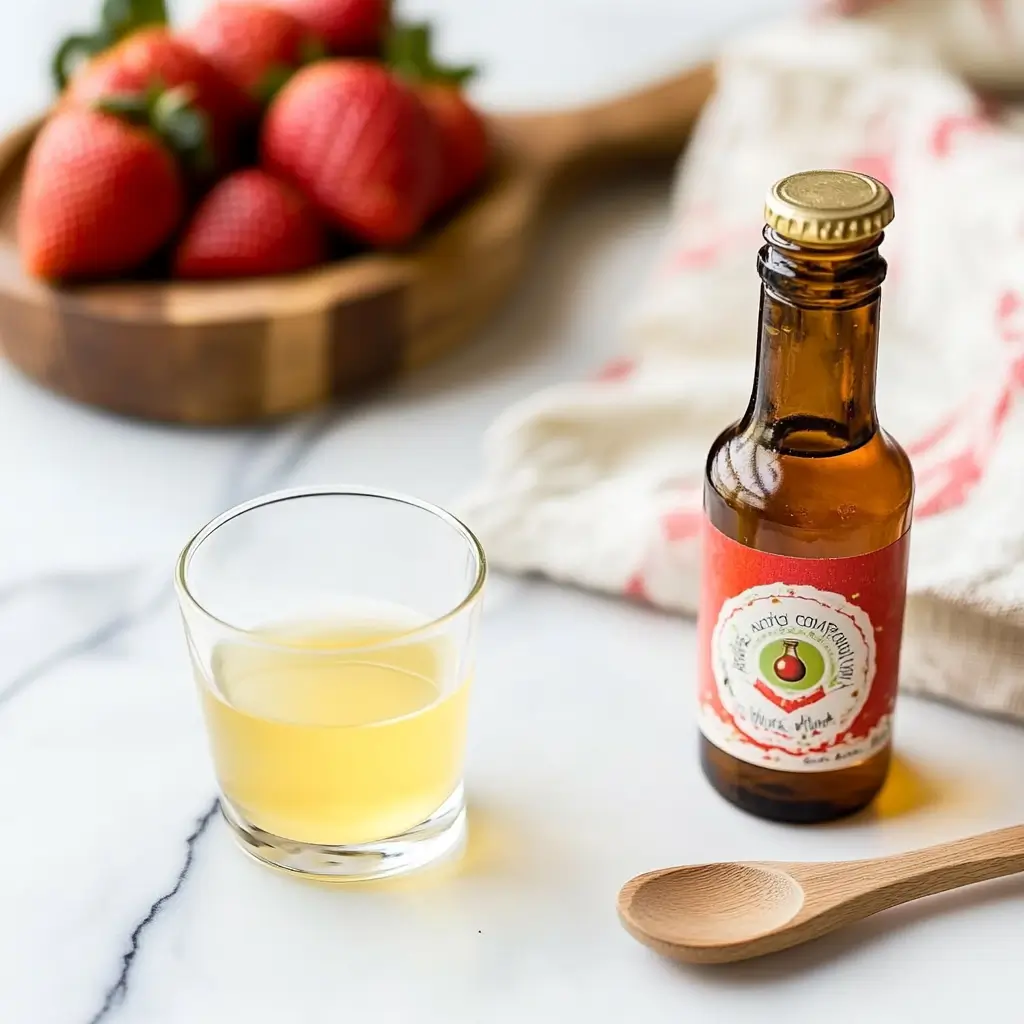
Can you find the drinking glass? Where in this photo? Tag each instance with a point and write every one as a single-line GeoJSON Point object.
{"type": "Point", "coordinates": [332, 633]}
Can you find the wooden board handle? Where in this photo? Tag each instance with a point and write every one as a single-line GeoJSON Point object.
{"type": "Point", "coordinates": [653, 122]}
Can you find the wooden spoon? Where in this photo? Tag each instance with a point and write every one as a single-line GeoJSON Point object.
{"type": "Point", "coordinates": [717, 913]}
{"type": "Point", "coordinates": [236, 351]}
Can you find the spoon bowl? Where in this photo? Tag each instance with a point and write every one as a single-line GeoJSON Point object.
{"type": "Point", "coordinates": [717, 913]}
{"type": "Point", "coordinates": [710, 905]}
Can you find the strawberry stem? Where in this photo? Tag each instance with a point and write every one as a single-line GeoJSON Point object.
{"type": "Point", "coordinates": [184, 128]}
{"type": "Point", "coordinates": [128, 106]}
{"type": "Point", "coordinates": [118, 18]}
{"type": "Point", "coordinates": [409, 53]}
{"type": "Point", "coordinates": [170, 113]}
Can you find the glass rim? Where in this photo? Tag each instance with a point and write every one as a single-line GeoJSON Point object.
{"type": "Point", "coordinates": [195, 542]}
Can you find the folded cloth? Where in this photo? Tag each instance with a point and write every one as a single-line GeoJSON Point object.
{"type": "Point", "coordinates": [982, 40]}
{"type": "Point", "coordinates": [599, 483]}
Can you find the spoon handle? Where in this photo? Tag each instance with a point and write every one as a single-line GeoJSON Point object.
{"type": "Point", "coordinates": [866, 887]}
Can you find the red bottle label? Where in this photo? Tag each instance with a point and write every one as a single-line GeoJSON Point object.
{"type": "Point", "coordinates": [799, 657]}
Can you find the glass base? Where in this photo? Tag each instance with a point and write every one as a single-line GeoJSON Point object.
{"type": "Point", "coordinates": [443, 834]}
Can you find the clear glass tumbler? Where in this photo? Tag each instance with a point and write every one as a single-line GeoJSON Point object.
{"type": "Point", "coordinates": [333, 638]}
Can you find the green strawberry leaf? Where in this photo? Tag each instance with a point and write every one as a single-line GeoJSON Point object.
{"type": "Point", "coordinates": [184, 128]}
{"type": "Point", "coordinates": [72, 53]}
{"type": "Point", "coordinates": [273, 81]}
{"type": "Point", "coordinates": [118, 18]}
{"type": "Point", "coordinates": [122, 17]}
{"type": "Point", "coordinates": [133, 107]}
{"type": "Point", "coordinates": [170, 113]}
{"type": "Point", "coordinates": [311, 50]}
{"type": "Point", "coordinates": [409, 53]}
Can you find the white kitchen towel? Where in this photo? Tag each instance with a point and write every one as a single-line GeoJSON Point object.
{"type": "Point", "coordinates": [982, 40]}
{"type": "Point", "coordinates": [599, 482]}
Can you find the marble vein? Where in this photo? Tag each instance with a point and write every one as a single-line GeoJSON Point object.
{"type": "Point", "coordinates": [308, 435]}
{"type": "Point", "coordinates": [306, 438]}
{"type": "Point", "coordinates": [17, 588]}
{"type": "Point", "coordinates": [265, 460]}
{"type": "Point", "coordinates": [116, 993]}
{"type": "Point", "coordinates": [108, 630]}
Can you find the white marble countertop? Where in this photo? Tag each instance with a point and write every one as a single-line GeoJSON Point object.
{"type": "Point", "coordinates": [122, 898]}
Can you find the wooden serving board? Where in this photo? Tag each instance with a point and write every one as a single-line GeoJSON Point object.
{"type": "Point", "coordinates": [235, 352]}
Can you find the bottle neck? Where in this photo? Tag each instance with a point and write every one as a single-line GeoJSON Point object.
{"type": "Point", "coordinates": [814, 391]}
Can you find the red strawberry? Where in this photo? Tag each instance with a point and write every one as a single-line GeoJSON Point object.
{"type": "Point", "coordinates": [100, 196]}
{"type": "Point", "coordinates": [154, 58]}
{"type": "Point", "coordinates": [359, 144]}
{"type": "Point", "coordinates": [350, 28]}
{"type": "Point", "coordinates": [249, 225]}
{"type": "Point", "coordinates": [257, 47]}
{"type": "Point", "coordinates": [465, 149]}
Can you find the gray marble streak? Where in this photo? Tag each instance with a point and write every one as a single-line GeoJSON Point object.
{"type": "Point", "coordinates": [119, 990]}
{"type": "Point", "coordinates": [44, 581]}
{"type": "Point", "coordinates": [93, 640]}
{"type": "Point", "coordinates": [84, 613]}
{"type": "Point", "coordinates": [245, 478]}
{"type": "Point", "coordinates": [241, 483]}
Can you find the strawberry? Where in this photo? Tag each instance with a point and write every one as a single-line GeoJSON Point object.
{"type": "Point", "coordinates": [359, 144]}
{"type": "Point", "coordinates": [465, 148]}
{"type": "Point", "coordinates": [154, 58]}
{"type": "Point", "coordinates": [350, 28]}
{"type": "Point", "coordinates": [250, 224]}
{"type": "Point", "coordinates": [100, 196]}
{"type": "Point", "coordinates": [257, 47]}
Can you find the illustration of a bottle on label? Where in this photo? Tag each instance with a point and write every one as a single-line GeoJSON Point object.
{"type": "Point", "coordinates": [788, 667]}
{"type": "Point", "coordinates": [792, 672]}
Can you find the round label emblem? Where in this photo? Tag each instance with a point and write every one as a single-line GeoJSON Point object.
{"type": "Point", "coordinates": [793, 666]}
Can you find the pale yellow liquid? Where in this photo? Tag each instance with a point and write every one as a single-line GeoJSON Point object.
{"type": "Point", "coordinates": [320, 744]}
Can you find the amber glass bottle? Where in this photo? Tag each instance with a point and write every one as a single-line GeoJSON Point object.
{"type": "Point", "coordinates": [808, 505]}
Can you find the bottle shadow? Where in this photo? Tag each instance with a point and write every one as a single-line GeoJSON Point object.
{"type": "Point", "coordinates": [913, 787]}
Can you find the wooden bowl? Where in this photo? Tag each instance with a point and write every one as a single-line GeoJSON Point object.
{"type": "Point", "coordinates": [239, 351]}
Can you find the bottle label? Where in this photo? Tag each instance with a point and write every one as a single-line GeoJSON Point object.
{"type": "Point", "coordinates": [799, 656]}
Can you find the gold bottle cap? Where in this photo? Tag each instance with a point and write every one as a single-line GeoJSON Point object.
{"type": "Point", "coordinates": [828, 207]}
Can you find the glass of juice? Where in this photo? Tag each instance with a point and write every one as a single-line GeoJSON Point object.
{"type": "Point", "coordinates": [332, 633]}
